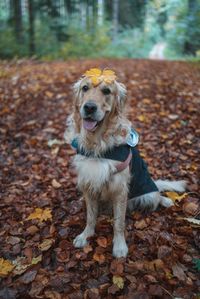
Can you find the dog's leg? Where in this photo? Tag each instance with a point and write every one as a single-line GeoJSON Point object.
{"type": "Point", "coordinates": [92, 209]}
{"type": "Point", "coordinates": [120, 248]}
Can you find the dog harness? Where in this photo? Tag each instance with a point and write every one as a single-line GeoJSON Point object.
{"type": "Point", "coordinates": [128, 155]}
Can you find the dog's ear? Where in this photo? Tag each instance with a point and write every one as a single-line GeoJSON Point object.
{"type": "Point", "coordinates": [76, 89]}
{"type": "Point", "coordinates": [121, 95]}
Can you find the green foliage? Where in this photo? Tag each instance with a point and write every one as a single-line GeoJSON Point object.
{"type": "Point", "coordinates": [197, 264]}
{"type": "Point", "coordinates": [73, 30]}
{"type": "Point", "coordinates": [130, 43]}
{"type": "Point", "coordinates": [9, 47]}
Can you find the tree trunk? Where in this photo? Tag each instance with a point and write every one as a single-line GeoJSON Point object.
{"type": "Point", "coordinates": [17, 20]}
{"type": "Point", "coordinates": [100, 12]}
{"type": "Point", "coordinates": [115, 19]}
{"type": "Point", "coordinates": [190, 45]}
{"type": "Point", "coordinates": [31, 28]}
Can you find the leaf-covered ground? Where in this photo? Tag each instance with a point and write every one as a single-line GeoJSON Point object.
{"type": "Point", "coordinates": [42, 211]}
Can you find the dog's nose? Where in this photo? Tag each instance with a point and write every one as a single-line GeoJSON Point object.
{"type": "Point", "coordinates": [90, 107]}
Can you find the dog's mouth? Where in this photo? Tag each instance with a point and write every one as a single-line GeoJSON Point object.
{"type": "Point", "coordinates": [90, 124]}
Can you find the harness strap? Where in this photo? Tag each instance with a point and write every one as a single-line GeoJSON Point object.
{"type": "Point", "coordinates": [121, 166]}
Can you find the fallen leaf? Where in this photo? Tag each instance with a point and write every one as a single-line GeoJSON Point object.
{"type": "Point", "coordinates": [5, 267]}
{"type": "Point", "coordinates": [28, 276]}
{"type": "Point", "coordinates": [175, 196]}
{"type": "Point", "coordinates": [178, 271]}
{"type": "Point", "coordinates": [52, 295]}
{"type": "Point", "coordinates": [140, 224]}
{"type": "Point", "coordinates": [88, 248]}
{"type": "Point", "coordinates": [102, 241]}
{"type": "Point", "coordinates": [36, 260]}
{"type": "Point", "coordinates": [118, 281]}
{"type": "Point", "coordinates": [191, 208]}
{"type": "Point", "coordinates": [56, 184]}
{"type": "Point", "coordinates": [117, 267]}
{"type": "Point", "coordinates": [41, 215]}
{"type": "Point", "coordinates": [46, 244]}
{"type": "Point", "coordinates": [141, 118]}
{"type": "Point", "coordinates": [192, 220]}
{"type": "Point", "coordinates": [99, 257]}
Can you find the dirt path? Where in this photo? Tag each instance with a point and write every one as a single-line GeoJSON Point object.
{"type": "Point", "coordinates": [157, 51]}
{"type": "Point", "coordinates": [37, 257]}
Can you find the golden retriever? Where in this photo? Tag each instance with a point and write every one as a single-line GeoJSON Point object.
{"type": "Point", "coordinates": [97, 128]}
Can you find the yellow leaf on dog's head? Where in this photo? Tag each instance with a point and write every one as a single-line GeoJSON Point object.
{"type": "Point", "coordinates": [41, 215]}
{"type": "Point", "coordinates": [5, 267]}
{"type": "Point", "coordinates": [118, 281]}
{"type": "Point", "coordinates": [97, 76]}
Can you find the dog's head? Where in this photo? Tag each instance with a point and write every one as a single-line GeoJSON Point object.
{"type": "Point", "coordinates": [98, 97]}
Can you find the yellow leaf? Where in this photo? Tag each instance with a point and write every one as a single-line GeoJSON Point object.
{"type": "Point", "coordinates": [93, 72]}
{"type": "Point", "coordinates": [108, 76]}
{"type": "Point", "coordinates": [168, 275]}
{"type": "Point", "coordinates": [36, 260]}
{"type": "Point", "coordinates": [118, 281]}
{"type": "Point", "coordinates": [46, 244]}
{"type": "Point", "coordinates": [175, 196]}
{"type": "Point", "coordinates": [97, 76]}
{"type": "Point", "coordinates": [141, 118]}
{"type": "Point", "coordinates": [5, 267]}
{"type": "Point", "coordinates": [41, 215]}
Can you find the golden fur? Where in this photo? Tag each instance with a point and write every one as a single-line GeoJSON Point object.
{"type": "Point", "coordinates": [97, 177]}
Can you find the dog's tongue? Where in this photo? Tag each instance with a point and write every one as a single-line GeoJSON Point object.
{"type": "Point", "coordinates": [89, 124]}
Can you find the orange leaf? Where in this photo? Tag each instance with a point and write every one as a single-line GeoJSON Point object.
{"type": "Point", "coordinates": [99, 257]}
{"type": "Point", "coordinates": [41, 215]}
{"type": "Point", "coordinates": [5, 267]}
{"type": "Point", "coordinates": [102, 241]}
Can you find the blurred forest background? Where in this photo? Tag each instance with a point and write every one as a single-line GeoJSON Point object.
{"type": "Point", "coordinates": [62, 29]}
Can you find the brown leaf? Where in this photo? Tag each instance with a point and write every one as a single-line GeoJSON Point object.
{"type": "Point", "coordinates": [56, 184]}
{"type": "Point", "coordinates": [191, 208]}
{"type": "Point", "coordinates": [52, 295]}
{"type": "Point", "coordinates": [88, 248]}
{"type": "Point", "coordinates": [28, 277]}
{"type": "Point", "coordinates": [102, 241]}
{"type": "Point", "coordinates": [141, 224]}
{"type": "Point", "coordinates": [13, 240]}
{"type": "Point", "coordinates": [117, 267]}
{"type": "Point", "coordinates": [46, 244]}
{"type": "Point", "coordinates": [178, 271]}
{"type": "Point", "coordinates": [164, 251]}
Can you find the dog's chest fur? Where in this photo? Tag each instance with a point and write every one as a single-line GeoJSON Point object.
{"type": "Point", "coordinates": [96, 176]}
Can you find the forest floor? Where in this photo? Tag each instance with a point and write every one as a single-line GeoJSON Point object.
{"type": "Point", "coordinates": [41, 208]}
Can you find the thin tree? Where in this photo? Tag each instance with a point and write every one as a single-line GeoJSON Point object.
{"type": "Point", "coordinates": [31, 28]}
{"type": "Point", "coordinates": [115, 18]}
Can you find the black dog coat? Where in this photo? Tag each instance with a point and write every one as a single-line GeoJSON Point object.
{"type": "Point", "coordinates": [141, 182]}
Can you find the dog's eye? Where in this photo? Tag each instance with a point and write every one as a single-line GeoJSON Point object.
{"type": "Point", "coordinates": [106, 91]}
{"type": "Point", "coordinates": [85, 88]}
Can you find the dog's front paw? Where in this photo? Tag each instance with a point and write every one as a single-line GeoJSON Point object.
{"type": "Point", "coordinates": [120, 249]}
{"type": "Point", "coordinates": [80, 241]}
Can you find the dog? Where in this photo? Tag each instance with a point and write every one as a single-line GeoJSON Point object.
{"type": "Point", "coordinates": [109, 167]}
